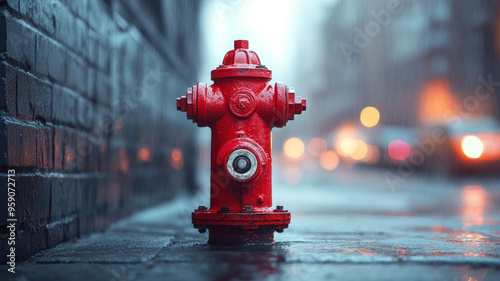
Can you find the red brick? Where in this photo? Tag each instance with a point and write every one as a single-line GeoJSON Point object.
{"type": "Point", "coordinates": [21, 145]}
{"type": "Point", "coordinates": [58, 148]}
{"type": "Point", "coordinates": [71, 161]}
{"type": "Point", "coordinates": [45, 144]}
{"type": "Point", "coordinates": [64, 149]}
{"type": "Point", "coordinates": [82, 148]}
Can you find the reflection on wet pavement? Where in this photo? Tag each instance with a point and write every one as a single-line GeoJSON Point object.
{"type": "Point", "coordinates": [474, 199]}
{"type": "Point", "coordinates": [347, 230]}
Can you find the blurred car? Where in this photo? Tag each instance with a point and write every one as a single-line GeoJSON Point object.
{"type": "Point", "coordinates": [380, 145]}
{"type": "Point", "coordinates": [395, 143]}
{"type": "Point", "coordinates": [468, 145]}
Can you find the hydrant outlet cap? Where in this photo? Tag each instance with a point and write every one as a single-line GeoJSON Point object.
{"type": "Point", "coordinates": [241, 62]}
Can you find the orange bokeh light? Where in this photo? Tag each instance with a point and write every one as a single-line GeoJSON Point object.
{"type": "Point", "coordinates": [329, 160]}
{"type": "Point", "coordinates": [360, 150]}
{"type": "Point", "coordinates": [474, 199]}
{"type": "Point", "coordinates": [294, 148]}
{"type": "Point", "coordinates": [436, 101]}
{"type": "Point", "coordinates": [176, 159]}
{"type": "Point", "coordinates": [372, 156]}
{"type": "Point", "coordinates": [369, 116]}
{"type": "Point", "coordinates": [177, 154]}
{"type": "Point", "coordinates": [144, 154]}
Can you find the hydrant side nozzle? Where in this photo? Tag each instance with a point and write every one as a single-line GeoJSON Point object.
{"type": "Point", "coordinates": [182, 104]}
{"type": "Point", "coordinates": [290, 103]}
{"type": "Point", "coordinates": [203, 104]}
{"type": "Point", "coordinates": [283, 107]}
{"type": "Point", "coordinates": [190, 109]}
{"type": "Point", "coordinates": [300, 105]}
{"type": "Point", "coordinates": [295, 104]}
{"type": "Point", "coordinates": [279, 102]}
{"type": "Point", "coordinates": [211, 104]}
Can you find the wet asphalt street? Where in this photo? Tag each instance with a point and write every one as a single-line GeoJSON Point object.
{"type": "Point", "coordinates": [349, 225]}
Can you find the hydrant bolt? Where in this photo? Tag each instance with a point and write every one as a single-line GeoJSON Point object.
{"type": "Point", "coordinates": [241, 107]}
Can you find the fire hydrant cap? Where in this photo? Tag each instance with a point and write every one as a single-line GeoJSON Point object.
{"type": "Point", "coordinates": [241, 62]}
{"type": "Point", "coordinates": [240, 44]}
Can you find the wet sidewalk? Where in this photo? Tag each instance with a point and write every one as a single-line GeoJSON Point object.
{"type": "Point", "coordinates": [346, 227]}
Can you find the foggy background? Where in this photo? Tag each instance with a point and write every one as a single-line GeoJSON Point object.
{"type": "Point", "coordinates": [422, 66]}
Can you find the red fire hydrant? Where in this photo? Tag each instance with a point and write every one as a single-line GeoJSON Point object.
{"type": "Point", "coordinates": [241, 108]}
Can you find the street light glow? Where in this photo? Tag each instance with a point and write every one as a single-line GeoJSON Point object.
{"type": "Point", "coordinates": [347, 146]}
{"type": "Point", "coordinates": [369, 116]}
{"type": "Point", "coordinates": [472, 147]}
{"type": "Point", "coordinates": [294, 148]}
{"type": "Point", "coordinates": [360, 150]}
{"type": "Point", "coordinates": [329, 160]}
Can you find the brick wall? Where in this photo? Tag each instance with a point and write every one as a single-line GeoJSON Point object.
{"type": "Point", "coordinates": [88, 117]}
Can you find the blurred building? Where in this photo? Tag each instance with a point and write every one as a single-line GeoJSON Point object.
{"type": "Point", "coordinates": [413, 60]}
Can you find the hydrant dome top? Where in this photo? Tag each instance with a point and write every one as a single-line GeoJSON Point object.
{"type": "Point", "coordinates": [241, 62]}
{"type": "Point", "coordinates": [241, 55]}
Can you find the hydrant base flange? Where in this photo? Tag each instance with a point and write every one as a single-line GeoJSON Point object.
{"type": "Point", "coordinates": [205, 219]}
{"type": "Point", "coordinates": [239, 228]}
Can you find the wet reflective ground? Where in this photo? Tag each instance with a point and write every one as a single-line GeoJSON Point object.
{"type": "Point", "coordinates": [347, 225]}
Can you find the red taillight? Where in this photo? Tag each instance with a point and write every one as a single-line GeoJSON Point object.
{"type": "Point", "coordinates": [399, 150]}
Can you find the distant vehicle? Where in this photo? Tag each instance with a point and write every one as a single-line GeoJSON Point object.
{"type": "Point", "coordinates": [380, 145]}
{"type": "Point", "coordinates": [470, 145]}
{"type": "Point", "coordinates": [394, 143]}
